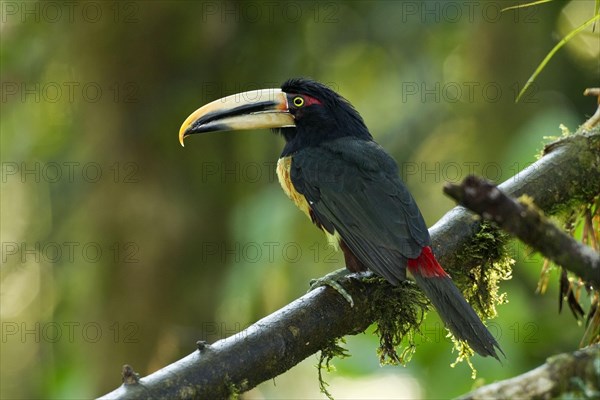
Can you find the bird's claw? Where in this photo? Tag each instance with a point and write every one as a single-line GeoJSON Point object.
{"type": "Point", "coordinates": [332, 280]}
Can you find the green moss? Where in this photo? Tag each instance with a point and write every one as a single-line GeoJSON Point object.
{"type": "Point", "coordinates": [233, 389]}
{"type": "Point", "coordinates": [399, 312]}
{"type": "Point", "coordinates": [583, 223]}
{"type": "Point", "coordinates": [480, 284]}
{"type": "Point", "coordinates": [464, 354]}
{"type": "Point", "coordinates": [333, 349]}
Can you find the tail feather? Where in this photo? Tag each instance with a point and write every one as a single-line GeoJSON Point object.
{"type": "Point", "coordinates": [454, 310]}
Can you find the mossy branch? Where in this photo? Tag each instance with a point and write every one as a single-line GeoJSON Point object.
{"type": "Point", "coordinates": [567, 173]}
{"type": "Point", "coordinates": [568, 375]}
{"type": "Point", "coordinates": [522, 219]}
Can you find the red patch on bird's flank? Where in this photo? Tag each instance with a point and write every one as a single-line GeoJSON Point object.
{"type": "Point", "coordinates": [426, 265]}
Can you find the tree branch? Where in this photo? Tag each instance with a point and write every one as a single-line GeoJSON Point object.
{"type": "Point", "coordinates": [567, 172]}
{"type": "Point", "coordinates": [522, 219]}
{"type": "Point", "coordinates": [575, 373]}
{"type": "Point", "coordinates": [266, 349]}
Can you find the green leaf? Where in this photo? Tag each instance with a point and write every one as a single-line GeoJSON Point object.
{"type": "Point", "coordinates": [596, 13]}
{"type": "Point", "coordinates": [533, 3]}
{"type": "Point", "coordinates": [558, 46]}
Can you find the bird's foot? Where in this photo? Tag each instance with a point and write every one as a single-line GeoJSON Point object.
{"type": "Point", "coordinates": [332, 280]}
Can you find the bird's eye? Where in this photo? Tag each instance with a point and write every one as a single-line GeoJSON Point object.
{"type": "Point", "coordinates": [298, 101]}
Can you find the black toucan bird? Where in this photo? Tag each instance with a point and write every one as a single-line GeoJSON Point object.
{"type": "Point", "coordinates": [333, 170]}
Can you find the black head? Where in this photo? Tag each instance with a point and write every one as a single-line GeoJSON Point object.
{"type": "Point", "coordinates": [306, 113]}
{"type": "Point", "coordinates": [320, 115]}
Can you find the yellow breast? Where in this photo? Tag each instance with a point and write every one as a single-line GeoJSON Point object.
{"type": "Point", "coordinates": [283, 173]}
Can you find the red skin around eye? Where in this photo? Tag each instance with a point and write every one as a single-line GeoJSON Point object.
{"type": "Point", "coordinates": [309, 101]}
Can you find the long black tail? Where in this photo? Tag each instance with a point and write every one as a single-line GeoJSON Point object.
{"type": "Point", "coordinates": [454, 310]}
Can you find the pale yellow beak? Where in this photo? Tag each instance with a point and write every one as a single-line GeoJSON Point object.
{"type": "Point", "coordinates": [256, 109]}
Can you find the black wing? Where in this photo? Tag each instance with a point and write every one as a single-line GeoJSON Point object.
{"type": "Point", "coordinates": [352, 187]}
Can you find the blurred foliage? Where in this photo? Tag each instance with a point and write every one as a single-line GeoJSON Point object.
{"type": "Point", "coordinates": [559, 45]}
{"type": "Point", "coordinates": [119, 246]}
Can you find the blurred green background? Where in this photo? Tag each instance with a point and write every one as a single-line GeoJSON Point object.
{"type": "Point", "coordinates": [119, 246]}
